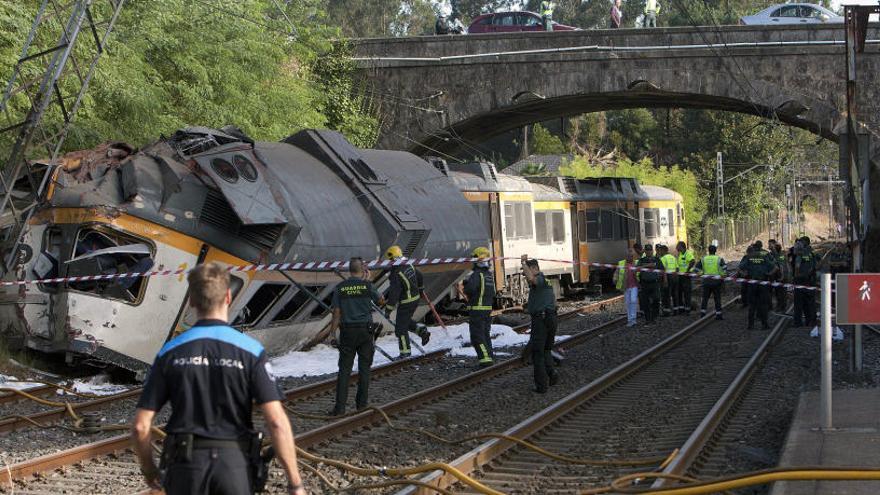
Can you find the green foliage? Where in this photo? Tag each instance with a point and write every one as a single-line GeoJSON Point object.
{"type": "Point", "coordinates": [172, 63]}
{"type": "Point", "coordinates": [533, 169]}
{"type": "Point", "coordinates": [377, 18]}
{"type": "Point", "coordinates": [545, 143]}
{"type": "Point", "coordinates": [672, 177]}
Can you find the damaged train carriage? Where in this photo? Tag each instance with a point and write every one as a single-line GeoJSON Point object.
{"type": "Point", "coordinates": [209, 195]}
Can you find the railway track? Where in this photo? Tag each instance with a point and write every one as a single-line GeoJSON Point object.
{"type": "Point", "coordinates": [672, 396]}
{"type": "Point", "coordinates": [110, 459]}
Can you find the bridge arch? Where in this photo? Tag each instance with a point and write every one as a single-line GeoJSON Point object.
{"type": "Point", "coordinates": [435, 92]}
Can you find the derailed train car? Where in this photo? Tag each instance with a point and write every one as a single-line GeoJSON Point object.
{"type": "Point", "coordinates": [211, 195]}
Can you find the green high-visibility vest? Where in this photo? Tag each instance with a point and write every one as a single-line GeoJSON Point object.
{"type": "Point", "coordinates": [712, 265]}
{"type": "Point", "coordinates": [669, 263]}
{"type": "Point", "coordinates": [547, 9]}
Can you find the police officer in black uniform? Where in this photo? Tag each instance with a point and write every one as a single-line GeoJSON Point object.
{"type": "Point", "coordinates": [405, 289]}
{"type": "Point", "coordinates": [353, 302]}
{"type": "Point", "coordinates": [758, 265]}
{"type": "Point", "coordinates": [542, 309]}
{"type": "Point", "coordinates": [804, 273]}
{"type": "Point", "coordinates": [212, 374]}
{"type": "Point", "coordinates": [649, 284]}
{"type": "Point", "coordinates": [479, 291]}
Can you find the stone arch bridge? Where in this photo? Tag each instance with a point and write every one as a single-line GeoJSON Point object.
{"type": "Point", "coordinates": [438, 94]}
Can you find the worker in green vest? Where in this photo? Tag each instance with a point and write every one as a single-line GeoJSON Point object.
{"type": "Point", "coordinates": [547, 14]}
{"type": "Point", "coordinates": [652, 10]}
{"type": "Point", "coordinates": [685, 265]}
{"type": "Point", "coordinates": [713, 265]}
{"type": "Point", "coordinates": [670, 264]}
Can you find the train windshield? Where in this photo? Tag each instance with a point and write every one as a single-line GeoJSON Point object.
{"type": "Point", "coordinates": [102, 251]}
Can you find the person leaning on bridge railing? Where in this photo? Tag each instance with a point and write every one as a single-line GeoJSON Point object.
{"type": "Point", "coordinates": [616, 15]}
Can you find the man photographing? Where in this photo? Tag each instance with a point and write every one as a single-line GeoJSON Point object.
{"type": "Point", "coordinates": [212, 374]}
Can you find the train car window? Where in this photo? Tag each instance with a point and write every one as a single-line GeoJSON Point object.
{"type": "Point", "coordinates": [542, 233]}
{"type": "Point", "coordinates": [607, 224]}
{"type": "Point", "coordinates": [622, 225]}
{"type": "Point", "coordinates": [558, 219]}
{"type": "Point", "coordinates": [260, 302]}
{"type": "Point", "coordinates": [633, 219]}
{"type": "Point", "coordinates": [524, 220]}
{"type": "Point", "coordinates": [509, 221]}
{"type": "Point", "coordinates": [671, 218]}
{"type": "Point", "coordinates": [650, 220]}
{"type": "Point", "coordinates": [593, 226]}
{"type": "Point", "coordinates": [48, 261]}
{"type": "Point", "coordinates": [296, 303]}
{"type": "Point", "coordinates": [320, 311]}
{"type": "Point", "coordinates": [518, 220]}
{"type": "Point", "coordinates": [582, 226]}
{"type": "Point", "coordinates": [235, 285]}
{"type": "Point", "coordinates": [100, 250]}
{"type": "Point", "coordinates": [678, 210]}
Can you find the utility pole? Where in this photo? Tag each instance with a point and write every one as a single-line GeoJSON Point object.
{"type": "Point", "coordinates": [719, 186]}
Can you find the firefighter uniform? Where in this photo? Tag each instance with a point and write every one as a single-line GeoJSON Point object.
{"type": "Point", "coordinates": [541, 306]}
{"type": "Point", "coordinates": [649, 286]}
{"type": "Point", "coordinates": [711, 264]}
{"type": "Point", "coordinates": [406, 286]}
{"type": "Point", "coordinates": [758, 265]}
{"type": "Point", "coordinates": [479, 288]}
{"type": "Point", "coordinates": [667, 293]}
{"type": "Point", "coordinates": [804, 273]}
{"type": "Point", "coordinates": [685, 263]}
{"type": "Point", "coordinates": [212, 374]}
{"type": "Point", "coordinates": [355, 298]}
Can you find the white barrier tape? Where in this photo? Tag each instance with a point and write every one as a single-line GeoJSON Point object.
{"type": "Point", "coordinates": [335, 265]}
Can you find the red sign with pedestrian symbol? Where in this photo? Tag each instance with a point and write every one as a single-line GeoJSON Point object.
{"type": "Point", "coordinates": [858, 298]}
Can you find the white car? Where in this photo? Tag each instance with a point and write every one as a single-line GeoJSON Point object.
{"type": "Point", "coordinates": [792, 13]}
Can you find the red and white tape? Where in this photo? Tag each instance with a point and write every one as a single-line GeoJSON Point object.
{"type": "Point", "coordinates": [337, 265]}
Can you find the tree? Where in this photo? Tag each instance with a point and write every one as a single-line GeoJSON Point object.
{"type": "Point", "coordinates": [545, 143]}
{"type": "Point", "coordinates": [172, 63]}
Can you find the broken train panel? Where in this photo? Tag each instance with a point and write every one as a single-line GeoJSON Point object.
{"type": "Point", "coordinates": [209, 195]}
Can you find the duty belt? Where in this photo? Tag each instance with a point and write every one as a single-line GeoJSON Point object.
{"type": "Point", "coordinates": [213, 443]}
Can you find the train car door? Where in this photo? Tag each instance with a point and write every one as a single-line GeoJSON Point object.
{"type": "Point", "coordinates": [581, 251]}
{"type": "Point", "coordinates": [495, 239]}
{"type": "Point", "coordinates": [186, 316]}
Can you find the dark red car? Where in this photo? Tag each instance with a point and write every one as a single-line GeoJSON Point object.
{"type": "Point", "coordinates": [508, 22]}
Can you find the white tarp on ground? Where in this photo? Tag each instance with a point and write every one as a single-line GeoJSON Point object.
{"type": "Point", "coordinates": [97, 385]}
{"type": "Point", "coordinates": [322, 359]}
{"type": "Point", "coordinates": [7, 381]}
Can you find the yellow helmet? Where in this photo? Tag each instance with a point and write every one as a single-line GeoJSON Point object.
{"type": "Point", "coordinates": [393, 252]}
{"type": "Point", "coordinates": [481, 252]}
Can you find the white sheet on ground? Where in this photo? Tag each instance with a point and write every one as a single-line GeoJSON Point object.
{"type": "Point", "coordinates": [97, 385]}
{"type": "Point", "coordinates": [8, 381]}
{"type": "Point", "coordinates": [322, 359]}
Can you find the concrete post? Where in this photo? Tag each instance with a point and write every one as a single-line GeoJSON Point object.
{"type": "Point", "coordinates": [825, 353]}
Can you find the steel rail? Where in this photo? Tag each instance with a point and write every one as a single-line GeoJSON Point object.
{"type": "Point", "coordinates": [371, 417]}
{"type": "Point", "coordinates": [492, 449]}
{"type": "Point", "coordinates": [121, 442]}
{"type": "Point", "coordinates": [717, 416]}
{"type": "Point", "coordinates": [337, 428]}
{"type": "Point", "coordinates": [38, 391]}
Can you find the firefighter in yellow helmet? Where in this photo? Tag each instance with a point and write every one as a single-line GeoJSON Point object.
{"type": "Point", "coordinates": [479, 292]}
{"type": "Point", "coordinates": [406, 289]}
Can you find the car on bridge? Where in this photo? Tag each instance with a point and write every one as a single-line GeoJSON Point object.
{"type": "Point", "coordinates": [509, 22]}
{"type": "Point", "coordinates": [792, 13]}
